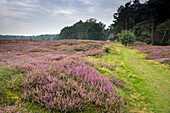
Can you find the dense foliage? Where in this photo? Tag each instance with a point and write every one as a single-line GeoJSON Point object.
{"type": "Point", "coordinates": [126, 37]}
{"type": "Point", "coordinates": [90, 30]}
{"type": "Point", "coordinates": [150, 21]}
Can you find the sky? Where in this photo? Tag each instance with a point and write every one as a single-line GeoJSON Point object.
{"type": "Point", "coordinates": [35, 17]}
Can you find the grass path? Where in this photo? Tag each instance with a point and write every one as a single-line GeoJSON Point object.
{"type": "Point", "coordinates": [147, 82]}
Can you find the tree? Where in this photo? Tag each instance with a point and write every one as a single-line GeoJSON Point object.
{"type": "Point", "coordinates": [126, 37]}
{"type": "Point", "coordinates": [90, 29]}
{"type": "Point", "coordinates": [144, 19]}
{"type": "Point", "coordinates": [95, 32]}
{"type": "Point", "coordinates": [126, 16]}
{"type": "Point", "coordinates": [142, 31]}
{"type": "Point", "coordinates": [163, 31]}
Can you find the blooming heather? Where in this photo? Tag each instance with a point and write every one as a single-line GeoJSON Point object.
{"type": "Point", "coordinates": [16, 108]}
{"type": "Point", "coordinates": [152, 57]}
{"type": "Point", "coordinates": [59, 78]}
{"type": "Point", "coordinates": [70, 85]}
{"type": "Point", "coordinates": [159, 53]}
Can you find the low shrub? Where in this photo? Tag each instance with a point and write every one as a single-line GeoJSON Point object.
{"type": "Point", "coordinates": [164, 60]}
{"type": "Point", "coordinates": [16, 108]}
{"type": "Point", "coordinates": [152, 57]}
{"type": "Point", "coordinates": [94, 52]}
{"type": "Point", "coordinates": [71, 85]}
{"type": "Point", "coordinates": [81, 48]}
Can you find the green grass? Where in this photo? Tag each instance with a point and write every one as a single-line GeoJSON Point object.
{"type": "Point", "coordinates": [10, 80]}
{"type": "Point", "coordinates": [146, 81]}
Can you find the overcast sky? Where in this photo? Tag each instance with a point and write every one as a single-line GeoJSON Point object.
{"type": "Point", "coordinates": [34, 17]}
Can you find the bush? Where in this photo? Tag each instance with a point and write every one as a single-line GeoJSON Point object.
{"type": "Point", "coordinates": [126, 37]}
{"type": "Point", "coordinates": [107, 48]}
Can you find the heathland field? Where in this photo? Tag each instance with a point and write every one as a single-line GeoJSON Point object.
{"type": "Point", "coordinates": [82, 76]}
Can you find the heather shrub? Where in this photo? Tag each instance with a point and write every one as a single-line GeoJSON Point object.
{"type": "Point", "coordinates": [94, 52]}
{"type": "Point", "coordinates": [159, 53]}
{"type": "Point", "coordinates": [71, 85]}
{"type": "Point", "coordinates": [116, 81]}
{"type": "Point", "coordinates": [164, 60]}
{"type": "Point", "coordinates": [152, 57]}
{"type": "Point", "coordinates": [23, 107]}
{"type": "Point", "coordinates": [16, 108]}
{"type": "Point", "coordinates": [81, 48]}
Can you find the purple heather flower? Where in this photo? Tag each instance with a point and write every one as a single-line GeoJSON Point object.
{"type": "Point", "coordinates": [60, 80]}
{"type": "Point", "coordinates": [152, 57]}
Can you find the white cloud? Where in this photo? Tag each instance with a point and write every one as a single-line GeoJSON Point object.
{"type": "Point", "coordinates": [39, 16]}
{"type": "Point", "coordinates": [63, 11]}
{"type": "Point", "coordinates": [17, 9]}
{"type": "Point", "coordinates": [88, 2]}
{"type": "Point", "coordinates": [23, 4]}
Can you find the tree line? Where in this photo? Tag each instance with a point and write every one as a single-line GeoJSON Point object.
{"type": "Point", "coordinates": [150, 21]}
{"type": "Point", "coordinates": [88, 30]}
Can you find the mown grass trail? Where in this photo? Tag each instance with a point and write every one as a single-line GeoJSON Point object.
{"type": "Point", "coordinates": [147, 82]}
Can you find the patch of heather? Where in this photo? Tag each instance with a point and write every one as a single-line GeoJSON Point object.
{"type": "Point", "coordinates": [164, 60]}
{"type": "Point", "coordinates": [59, 78]}
{"type": "Point", "coordinates": [160, 53]}
{"type": "Point", "coordinates": [23, 51]}
{"type": "Point", "coordinates": [69, 85]}
{"type": "Point", "coordinates": [152, 57]}
{"type": "Point", "coordinates": [117, 82]}
{"type": "Point", "coordinates": [16, 108]}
